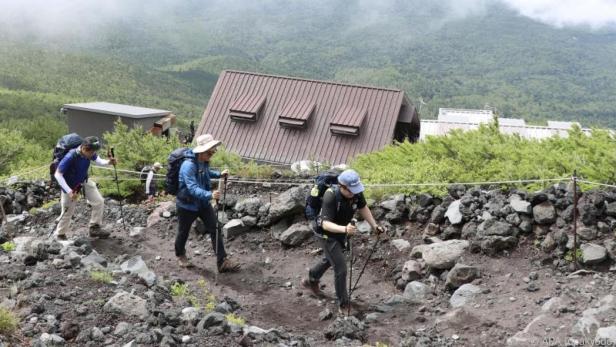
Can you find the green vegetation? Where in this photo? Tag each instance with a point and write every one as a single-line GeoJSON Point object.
{"type": "Point", "coordinates": [235, 320]}
{"type": "Point", "coordinates": [8, 246]}
{"type": "Point", "coordinates": [578, 253]}
{"type": "Point", "coordinates": [486, 155]}
{"type": "Point", "coordinates": [101, 276]}
{"type": "Point", "coordinates": [179, 289]}
{"type": "Point", "coordinates": [8, 322]}
{"type": "Point", "coordinates": [200, 298]}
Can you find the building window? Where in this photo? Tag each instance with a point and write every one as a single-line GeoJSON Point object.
{"type": "Point", "coordinates": [347, 121]}
{"type": "Point", "coordinates": [247, 108]}
{"type": "Point", "coordinates": [296, 114]}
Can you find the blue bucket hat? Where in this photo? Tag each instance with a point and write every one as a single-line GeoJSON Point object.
{"type": "Point", "coordinates": [350, 179]}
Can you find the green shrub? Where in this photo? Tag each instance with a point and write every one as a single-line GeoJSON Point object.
{"type": "Point", "coordinates": [487, 155]}
{"type": "Point", "coordinates": [8, 322]}
{"type": "Point", "coordinates": [235, 320]}
{"type": "Point", "coordinates": [101, 276]}
{"type": "Point", "coordinates": [8, 246]}
{"type": "Point", "coordinates": [578, 253]}
{"type": "Point", "coordinates": [179, 289]}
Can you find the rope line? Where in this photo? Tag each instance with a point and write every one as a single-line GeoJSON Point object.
{"type": "Point", "coordinates": [597, 183]}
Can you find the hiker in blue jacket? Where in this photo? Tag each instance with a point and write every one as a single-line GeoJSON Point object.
{"type": "Point", "coordinates": [72, 176]}
{"type": "Point", "coordinates": [194, 201]}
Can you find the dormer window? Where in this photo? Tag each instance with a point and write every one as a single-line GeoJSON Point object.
{"type": "Point", "coordinates": [296, 114]}
{"type": "Point", "coordinates": [347, 121]}
{"type": "Point", "coordinates": [247, 108]}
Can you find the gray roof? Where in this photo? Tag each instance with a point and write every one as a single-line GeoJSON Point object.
{"type": "Point", "coordinates": [118, 109]}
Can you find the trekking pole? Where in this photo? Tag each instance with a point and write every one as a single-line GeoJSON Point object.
{"type": "Point", "coordinates": [218, 223]}
{"type": "Point", "coordinates": [353, 221]}
{"type": "Point", "coordinates": [378, 235]}
{"type": "Point", "coordinates": [115, 171]}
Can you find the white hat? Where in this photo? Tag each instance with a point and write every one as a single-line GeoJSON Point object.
{"type": "Point", "coordinates": [205, 143]}
{"type": "Point", "coordinates": [157, 165]}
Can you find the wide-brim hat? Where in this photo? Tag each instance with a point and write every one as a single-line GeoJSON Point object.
{"type": "Point", "coordinates": [205, 143]}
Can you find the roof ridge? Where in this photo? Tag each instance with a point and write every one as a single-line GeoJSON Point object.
{"type": "Point", "coordinates": [314, 80]}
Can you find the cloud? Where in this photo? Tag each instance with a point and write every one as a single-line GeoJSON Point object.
{"type": "Point", "coordinates": [84, 18]}
{"type": "Point", "coordinates": [560, 13]}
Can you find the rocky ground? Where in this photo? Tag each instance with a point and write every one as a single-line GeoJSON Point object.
{"type": "Point", "coordinates": [478, 267]}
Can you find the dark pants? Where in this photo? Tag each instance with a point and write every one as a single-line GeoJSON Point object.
{"type": "Point", "coordinates": [208, 217]}
{"type": "Point", "coordinates": [333, 255]}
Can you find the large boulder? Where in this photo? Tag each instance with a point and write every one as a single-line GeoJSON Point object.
{"type": "Point", "coordinates": [544, 213]}
{"type": "Point", "coordinates": [442, 255]}
{"type": "Point", "coordinates": [494, 244]}
{"type": "Point", "coordinates": [128, 305]}
{"type": "Point", "coordinates": [519, 205]}
{"type": "Point", "coordinates": [493, 227]}
{"type": "Point", "coordinates": [466, 294]}
{"type": "Point", "coordinates": [234, 228]}
{"type": "Point", "coordinates": [415, 292]}
{"type": "Point", "coordinates": [248, 206]}
{"type": "Point", "coordinates": [295, 235]}
{"type": "Point", "coordinates": [593, 254]}
{"type": "Point", "coordinates": [289, 203]}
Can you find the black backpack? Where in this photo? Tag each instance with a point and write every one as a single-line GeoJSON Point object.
{"type": "Point", "coordinates": [63, 146]}
{"type": "Point", "coordinates": [174, 162]}
{"type": "Point", "coordinates": [314, 200]}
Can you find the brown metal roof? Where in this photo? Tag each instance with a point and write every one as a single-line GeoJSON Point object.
{"type": "Point", "coordinates": [373, 110]}
{"type": "Point", "coordinates": [296, 113]}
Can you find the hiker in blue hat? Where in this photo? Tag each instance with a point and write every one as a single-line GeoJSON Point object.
{"type": "Point", "coordinates": [340, 202]}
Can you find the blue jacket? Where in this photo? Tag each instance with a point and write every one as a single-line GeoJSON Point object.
{"type": "Point", "coordinates": [74, 167]}
{"type": "Point", "coordinates": [195, 189]}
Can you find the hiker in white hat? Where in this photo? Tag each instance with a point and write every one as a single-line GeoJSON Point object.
{"type": "Point", "coordinates": [150, 180]}
{"type": "Point", "coordinates": [193, 201]}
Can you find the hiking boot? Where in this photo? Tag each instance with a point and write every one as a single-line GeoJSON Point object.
{"type": "Point", "coordinates": [229, 265]}
{"type": "Point", "coordinates": [343, 310]}
{"type": "Point", "coordinates": [97, 231]}
{"type": "Point", "coordinates": [184, 262]}
{"type": "Point", "coordinates": [61, 237]}
{"type": "Point", "coordinates": [312, 286]}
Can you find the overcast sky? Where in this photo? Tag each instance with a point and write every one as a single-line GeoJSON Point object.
{"type": "Point", "coordinates": [57, 17]}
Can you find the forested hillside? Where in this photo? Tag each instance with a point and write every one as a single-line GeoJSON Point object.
{"type": "Point", "coordinates": [170, 56]}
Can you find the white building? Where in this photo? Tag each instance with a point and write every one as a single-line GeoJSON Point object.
{"type": "Point", "coordinates": [450, 119]}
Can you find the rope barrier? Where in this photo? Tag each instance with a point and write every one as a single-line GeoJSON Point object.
{"type": "Point", "coordinates": [597, 183]}
{"type": "Point", "coordinates": [301, 182]}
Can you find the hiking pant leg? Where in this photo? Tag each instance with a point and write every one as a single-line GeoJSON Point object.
{"type": "Point", "coordinates": [210, 221]}
{"type": "Point", "coordinates": [68, 209]}
{"type": "Point", "coordinates": [185, 221]}
{"type": "Point", "coordinates": [95, 199]}
{"type": "Point", "coordinates": [317, 271]}
{"type": "Point", "coordinates": [335, 255]}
